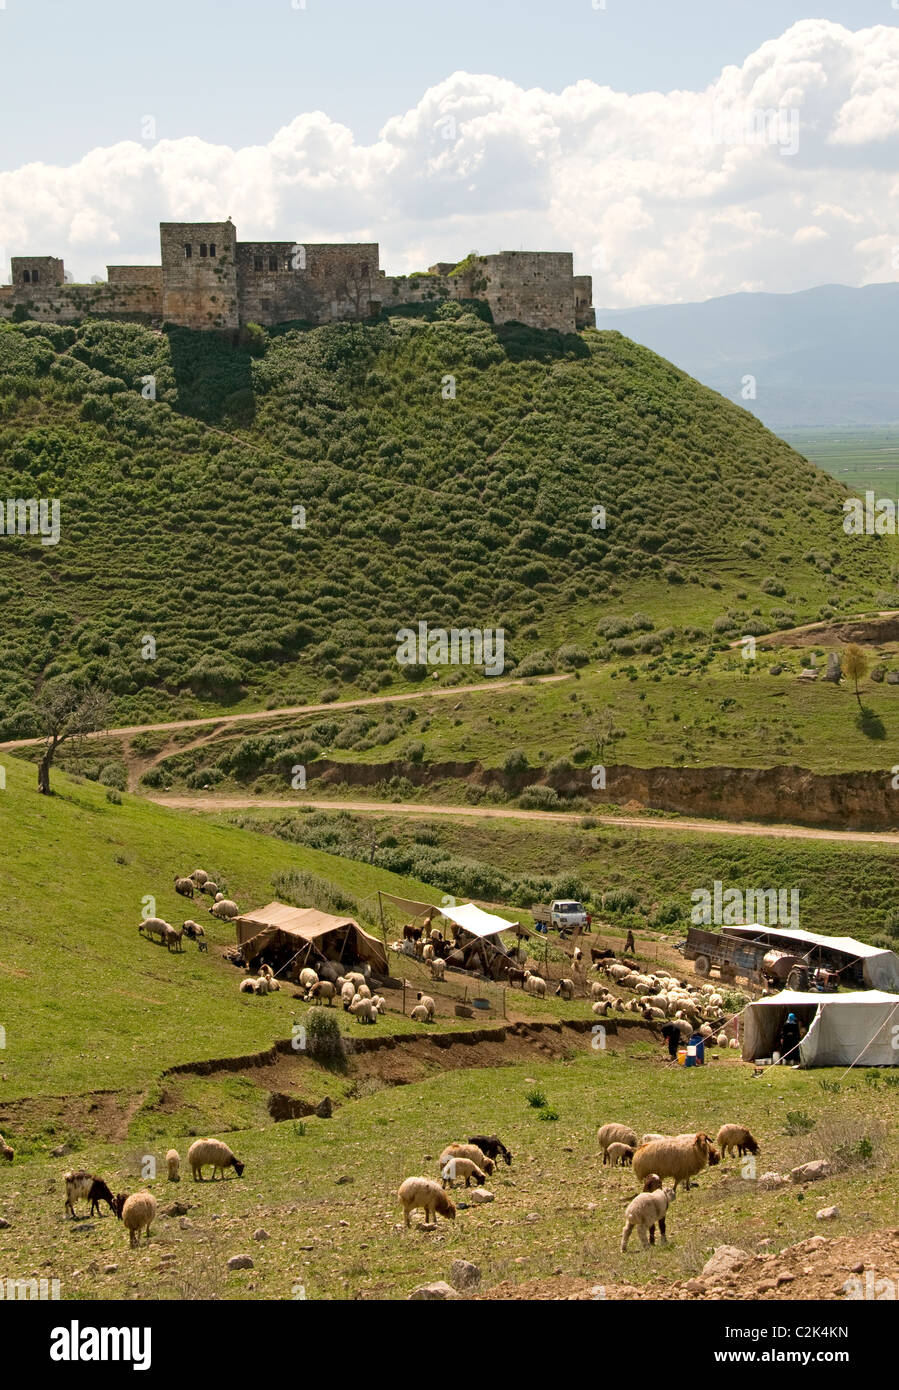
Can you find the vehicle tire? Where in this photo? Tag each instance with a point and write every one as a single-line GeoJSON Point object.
{"type": "Point", "coordinates": [798, 979]}
{"type": "Point", "coordinates": [702, 965]}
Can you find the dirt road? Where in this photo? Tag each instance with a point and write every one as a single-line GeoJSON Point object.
{"type": "Point", "coordinates": [401, 808]}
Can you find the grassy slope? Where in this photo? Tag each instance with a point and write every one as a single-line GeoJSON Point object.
{"type": "Point", "coordinates": [556, 1208]}
{"type": "Point", "coordinates": [87, 1003]}
{"type": "Point", "coordinates": [474, 511]}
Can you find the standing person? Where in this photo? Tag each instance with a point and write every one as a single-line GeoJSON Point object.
{"type": "Point", "coordinates": [790, 1037]}
{"type": "Point", "coordinates": [630, 945]}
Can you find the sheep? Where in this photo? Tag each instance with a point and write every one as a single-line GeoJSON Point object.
{"type": "Point", "coordinates": [469, 1151]}
{"type": "Point", "coordinates": [203, 1151]}
{"type": "Point", "coordinates": [364, 1010]}
{"type": "Point", "coordinates": [578, 955]}
{"type": "Point", "coordinates": [597, 991]}
{"type": "Point", "coordinates": [5, 1150]}
{"type": "Point", "coordinates": [734, 1042]}
{"type": "Point", "coordinates": [209, 888]}
{"type": "Point", "coordinates": [86, 1186]}
{"type": "Point", "coordinates": [648, 1210]}
{"type": "Point", "coordinates": [533, 984]}
{"type": "Point", "coordinates": [600, 1008]}
{"type": "Point", "coordinates": [347, 994]}
{"type": "Point", "coordinates": [137, 1212]}
{"type": "Point", "coordinates": [225, 910]}
{"type": "Point", "coordinates": [438, 968]}
{"type": "Point", "coordinates": [425, 1193]}
{"type": "Point", "coordinates": [194, 931]}
{"type": "Point", "coordinates": [618, 1155]}
{"type": "Point", "coordinates": [648, 1138]}
{"type": "Point", "coordinates": [219, 897]}
{"type": "Point", "coordinates": [566, 989]}
{"type": "Point", "coordinates": [199, 876]}
{"type": "Point", "coordinates": [173, 938]}
{"type": "Point", "coordinates": [248, 986]}
{"type": "Point", "coordinates": [184, 886]}
{"type": "Point", "coordinates": [262, 985]}
{"type": "Point", "coordinates": [491, 1147]}
{"type": "Point", "coordinates": [427, 1003]}
{"type": "Point", "coordinates": [173, 1164]}
{"type": "Point", "coordinates": [736, 1137]}
{"type": "Point", "coordinates": [427, 952]}
{"type": "Point", "coordinates": [680, 1157]}
{"type": "Point", "coordinates": [616, 1134]}
{"type": "Point", "coordinates": [705, 1031]}
{"type": "Point", "coordinates": [364, 992]}
{"type": "Point", "coordinates": [379, 1002]}
{"type": "Point", "coordinates": [308, 978]}
{"type": "Point", "coordinates": [323, 989]}
{"type": "Point", "coordinates": [356, 978]}
{"type": "Point", "coordinates": [154, 926]}
{"type": "Point", "coordinates": [420, 1014]}
{"type": "Point", "coordinates": [461, 1168]}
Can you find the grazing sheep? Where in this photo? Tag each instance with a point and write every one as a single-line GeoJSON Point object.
{"type": "Point", "coordinates": [427, 1003]}
{"type": "Point", "coordinates": [308, 978]}
{"type": "Point", "coordinates": [219, 897]}
{"type": "Point", "coordinates": [6, 1152]}
{"type": "Point", "coordinates": [193, 930]}
{"type": "Point", "coordinates": [438, 968]}
{"type": "Point", "coordinates": [138, 1212]}
{"type": "Point", "coordinates": [600, 1008]}
{"type": "Point", "coordinates": [462, 1168]}
{"type": "Point", "coordinates": [199, 877]}
{"type": "Point", "coordinates": [491, 1146]}
{"type": "Point", "coordinates": [173, 938]}
{"type": "Point", "coordinates": [648, 1138]}
{"type": "Point", "coordinates": [618, 1155]}
{"type": "Point", "coordinates": [721, 1040]}
{"type": "Point", "coordinates": [648, 1210]}
{"type": "Point", "coordinates": [533, 984]}
{"type": "Point", "coordinates": [736, 1137]}
{"type": "Point", "coordinates": [323, 989]}
{"type": "Point", "coordinates": [469, 1151]}
{"type": "Point", "coordinates": [225, 910]}
{"type": "Point", "coordinates": [380, 1003]}
{"type": "Point", "coordinates": [173, 1164]}
{"type": "Point", "coordinates": [364, 1010]}
{"type": "Point", "coordinates": [347, 993]}
{"type": "Point", "coordinates": [209, 888]}
{"type": "Point", "coordinates": [425, 1193]}
{"type": "Point", "coordinates": [616, 1134]}
{"type": "Point", "coordinates": [566, 989]}
{"type": "Point", "coordinates": [154, 926]}
{"type": "Point", "coordinates": [420, 1014]}
{"type": "Point", "coordinates": [248, 986]}
{"type": "Point", "coordinates": [203, 1151]}
{"type": "Point", "coordinates": [680, 1157]}
{"type": "Point", "coordinates": [86, 1186]}
{"type": "Point", "coordinates": [184, 886]}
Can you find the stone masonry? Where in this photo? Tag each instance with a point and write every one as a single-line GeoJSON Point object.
{"type": "Point", "coordinates": [208, 279]}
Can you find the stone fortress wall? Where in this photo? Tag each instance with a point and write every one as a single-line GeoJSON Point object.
{"type": "Point", "coordinates": [208, 279]}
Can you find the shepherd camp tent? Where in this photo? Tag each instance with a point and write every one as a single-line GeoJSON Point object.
{"type": "Point", "coordinates": [875, 967]}
{"type": "Point", "coordinates": [279, 924]}
{"type": "Point", "coordinates": [842, 1028]}
{"type": "Point", "coordinates": [477, 933]}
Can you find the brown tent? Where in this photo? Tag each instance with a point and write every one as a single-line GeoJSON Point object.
{"type": "Point", "coordinates": [279, 924]}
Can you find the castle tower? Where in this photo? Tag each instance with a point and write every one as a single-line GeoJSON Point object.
{"type": "Point", "coordinates": [199, 274]}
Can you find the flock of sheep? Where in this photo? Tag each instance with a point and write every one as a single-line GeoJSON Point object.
{"type": "Point", "coordinates": [471, 1162]}
{"type": "Point", "coordinates": [658, 1156]}
{"type": "Point", "coordinates": [137, 1212]}
{"type": "Point", "coordinates": [660, 997]}
{"type": "Point", "coordinates": [171, 937]}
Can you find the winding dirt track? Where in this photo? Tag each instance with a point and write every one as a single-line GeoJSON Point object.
{"type": "Point", "coordinates": [401, 808]}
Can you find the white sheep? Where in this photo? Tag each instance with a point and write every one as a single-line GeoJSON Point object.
{"type": "Point", "coordinates": [380, 1003]}
{"type": "Point", "coordinates": [425, 1193]}
{"type": "Point", "coordinates": [209, 888]}
{"type": "Point", "coordinates": [364, 1010]}
{"type": "Point", "coordinates": [225, 910]}
{"type": "Point", "coordinates": [615, 1134]}
{"type": "Point", "coordinates": [533, 984]}
{"type": "Point", "coordinates": [648, 1210]}
{"type": "Point", "coordinates": [173, 1164]}
{"type": "Point", "coordinates": [427, 952]}
{"type": "Point", "coordinates": [364, 992]}
{"type": "Point", "coordinates": [420, 1014]}
{"type": "Point", "coordinates": [438, 968]}
{"type": "Point", "coordinates": [597, 991]}
{"type": "Point", "coordinates": [262, 984]}
{"type": "Point", "coordinates": [347, 993]}
{"type": "Point", "coordinates": [600, 1008]}
{"type": "Point", "coordinates": [648, 1138]}
{"type": "Point", "coordinates": [138, 1213]}
{"type": "Point", "coordinates": [356, 977]}
{"type": "Point", "coordinates": [184, 886]}
{"type": "Point", "coordinates": [199, 876]}
{"type": "Point", "coordinates": [308, 977]}
{"type": "Point", "coordinates": [203, 1151]}
{"type": "Point", "coordinates": [457, 1168]}
{"type": "Point", "coordinates": [734, 1043]}
{"type": "Point", "coordinates": [721, 1040]}
{"type": "Point", "coordinates": [469, 1151]}
{"type": "Point", "coordinates": [618, 1155]}
{"type": "Point", "coordinates": [154, 926]}
{"type": "Point", "coordinates": [248, 986]}
{"type": "Point", "coordinates": [428, 1004]}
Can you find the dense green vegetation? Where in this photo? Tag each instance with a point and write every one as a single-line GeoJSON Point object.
{"type": "Point", "coordinates": [474, 511]}
{"type": "Point", "coordinates": [859, 459]}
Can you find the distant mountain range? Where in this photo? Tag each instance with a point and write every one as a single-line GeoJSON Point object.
{"type": "Point", "coordinates": [823, 358]}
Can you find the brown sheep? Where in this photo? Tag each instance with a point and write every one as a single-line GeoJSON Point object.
{"type": "Point", "coordinates": [425, 1193]}
{"type": "Point", "coordinates": [680, 1157]}
{"type": "Point", "coordinates": [736, 1137]}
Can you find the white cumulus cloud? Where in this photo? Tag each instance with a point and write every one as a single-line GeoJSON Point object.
{"type": "Point", "coordinates": [662, 196]}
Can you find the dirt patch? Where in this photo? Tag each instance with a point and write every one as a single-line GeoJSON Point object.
{"type": "Point", "coordinates": [94, 1116]}
{"type": "Point", "coordinates": [817, 1268]}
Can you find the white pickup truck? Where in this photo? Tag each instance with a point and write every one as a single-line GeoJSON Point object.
{"type": "Point", "coordinates": [565, 914]}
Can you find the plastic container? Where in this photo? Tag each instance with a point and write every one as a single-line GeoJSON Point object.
{"type": "Point", "coordinates": [681, 1056]}
{"type": "Point", "coordinates": [775, 1058]}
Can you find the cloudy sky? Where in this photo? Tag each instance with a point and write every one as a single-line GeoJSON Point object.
{"type": "Point", "coordinates": [683, 151]}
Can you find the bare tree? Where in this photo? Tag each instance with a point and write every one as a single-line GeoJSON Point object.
{"type": "Point", "coordinates": [65, 711]}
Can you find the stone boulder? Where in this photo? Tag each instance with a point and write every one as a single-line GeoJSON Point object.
{"type": "Point", "coordinates": [814, 1171]}
{"type": "Point", "coordinates": [725, 1259]}
{"type": "Point", "coordinates": [440, 1289]}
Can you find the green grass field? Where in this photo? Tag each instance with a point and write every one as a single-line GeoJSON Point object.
{"type": "Point", "coordinates": [859, 459]}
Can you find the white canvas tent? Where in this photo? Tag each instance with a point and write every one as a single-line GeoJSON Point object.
{"type": "Point", "coordinates": [879, 968]}
{"type": "Point", "coordinates": [475, 920]}
{"type": "Point", "coordinates": [842, 1028]}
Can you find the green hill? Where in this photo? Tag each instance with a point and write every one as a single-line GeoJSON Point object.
{"type": "Point", "coordinates": [477, 510]}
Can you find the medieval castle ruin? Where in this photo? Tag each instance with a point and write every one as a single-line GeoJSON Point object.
{"type": "Point", "coordinates": [209, 279]}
